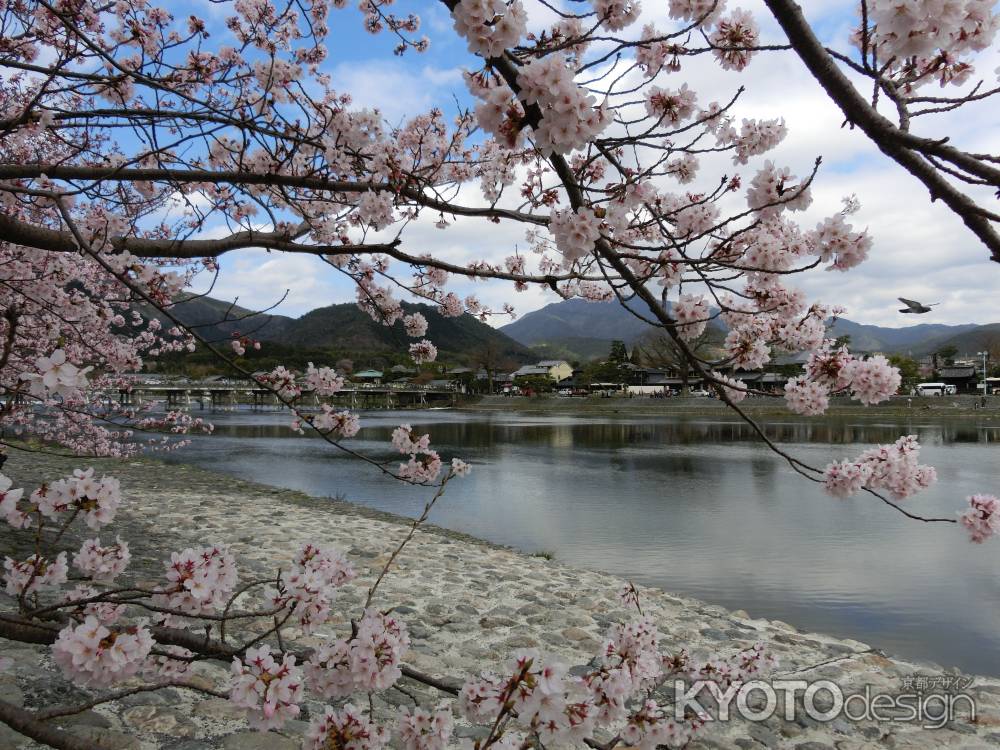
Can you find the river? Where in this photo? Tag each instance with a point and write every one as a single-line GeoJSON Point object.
{"type": "Point", "coordinates": [696, 506]}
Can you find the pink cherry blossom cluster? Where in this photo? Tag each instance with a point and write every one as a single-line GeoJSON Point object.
{"type": "Point", "coordinates": [833, 370]}
{"type": "Point", "coordinates": [56, 376]}
{"type": "Point", "coordinates": [340, 423]}
{"type": "Point", "coordinates": [733, 39]}
{"type": "Point", "coordinates": [368, 661]}
{"type": "Point", "coordinates": [670, 106]}
{"type": "Point", "coordinates": [323, 381]}
{"type": "Point", "coordinates": [571, 117]}
{"type": "Point", "coordinates": [982, 519]}
{"type": "Point", "coordinates": [692, 316]}
{"type": "Point", "coordinates": [348, 728]}
{"type": "Point", "coordinates": [269, 690]}
{"type": "Point", "coordinates": [375, 210]}
{"type": "Point", "coordinates": [102, 564]}
{"type": "Point", "coordinates": [282, 381]}
{"type": "Point", "coordinates": [415, 325]}
{"type": "Point", "coordinates": [311, 586]}
{"type": "Point", "coordinates": [34, 574]}
{"type": "Point", "coordinates": [703, 12]}
{"type": "Point", "coordinates": [8, 504]}
{"type": "Point", "coordinates": [653, 726]}
{"type": "Point", "coordinates": [97, 656]}
{"type": "Point", "coordinates": [425, 729]}
{"type": "Point", "coordinates": [538, 694]}
{"type": "Point", "coordinates": [201, 581]}
{"type": "Point", "coordinates": [804, 396]}
{"type": "Point", "coordinates": [173, 664]}
{"type": "Point", "coordinates": [775, 189]}
{"type": "Point", "coordinates": [836, 240]}
{"type": "Point", "coordinates": [489, 26]}
{"type": "Point", "coordinates": [924, 37]}
{"type": "Point", "coordinates": [96, 500]}
{"type": "Point", "coordinates": [615, 15]}
{"type": "Point", "coordinates": [424, 464]}
{"type": "Point", "coordinates": [895, 468]}
{"type": "Point", "coordinates": [106, 612]}
{"type": "Point", "coordinates": [735, 389]}
{"type": "Point", "coordinates": [575, 233]}
{"type": "Point", "coordinates": [656, 53]}
{"type": "Point", "coordinates": [755, 137]}
{"type": "Point", "coordinates": [423, 351]}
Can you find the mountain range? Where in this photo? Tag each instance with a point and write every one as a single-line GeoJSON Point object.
{"type": "Point", "coordinates": [578, 329]}
{"type": "Point", "coordinates": [575, 330]}
{"type": "Point", "coordinates": [346, 331]}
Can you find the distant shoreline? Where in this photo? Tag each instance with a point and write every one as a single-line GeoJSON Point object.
{"type": "Point", "coordinates": [947, 407]}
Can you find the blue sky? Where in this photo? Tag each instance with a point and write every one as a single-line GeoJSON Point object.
{"type": "Point", "coordinates": [921, 250]}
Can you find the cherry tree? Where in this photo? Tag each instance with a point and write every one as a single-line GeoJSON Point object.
{"type": "Point", "coordinates": [131, 133]}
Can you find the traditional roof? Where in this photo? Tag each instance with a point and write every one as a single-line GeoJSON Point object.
{"type": "Point", "coordinates": [957, 372]}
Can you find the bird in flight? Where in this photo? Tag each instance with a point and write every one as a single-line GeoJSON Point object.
{"type": "Point", "coordinates": [916, 308]}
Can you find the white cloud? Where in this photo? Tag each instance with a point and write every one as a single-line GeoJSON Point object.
{"type": "Point", "coordinates": [395, 86]}
{"type": "Point", "coordinates": [921, 250]}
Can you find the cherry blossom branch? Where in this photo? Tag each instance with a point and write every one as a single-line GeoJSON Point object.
{"type": "Point", "coordinates": [903, 148]}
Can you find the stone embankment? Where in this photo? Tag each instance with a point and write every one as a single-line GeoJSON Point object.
{"type": "Point", "coordinates": [468, 605]}
{"type": "Point", "coordinates": [904, 407]}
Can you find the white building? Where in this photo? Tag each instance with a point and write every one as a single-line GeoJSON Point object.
{"type": "Point", "coordinates": [557, 369]}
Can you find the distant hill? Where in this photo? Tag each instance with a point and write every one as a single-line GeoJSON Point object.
{"type": "Point", "coordinates": [917, 339]}
{"type": "Point", "coordinates": [975, 339]}
{"type": "Point", "coordinates": [345, 331]}
{"type": "Point", "coordinates": [218, 321]}
{"type": "Point", "coordinates": [577, 329]}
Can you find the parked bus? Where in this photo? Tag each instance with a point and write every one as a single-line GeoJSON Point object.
{"type": "Point", "coordinates": [935, 389]}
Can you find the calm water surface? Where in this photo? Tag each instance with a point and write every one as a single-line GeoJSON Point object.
{"type": "Point", "coordinates": [693, 505]}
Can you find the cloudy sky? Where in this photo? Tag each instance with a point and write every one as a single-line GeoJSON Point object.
{"type": "Point", "coordinates": [921, 250]}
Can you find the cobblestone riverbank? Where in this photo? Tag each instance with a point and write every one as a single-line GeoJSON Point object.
{"type": "Point", "coordinates": [468, 605]}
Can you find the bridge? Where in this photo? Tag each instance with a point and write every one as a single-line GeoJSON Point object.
{"type": "Point", "coordinates": [222, 395]}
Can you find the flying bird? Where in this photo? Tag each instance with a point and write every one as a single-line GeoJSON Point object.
{"type": "Point", "coordinates": [916, 308]}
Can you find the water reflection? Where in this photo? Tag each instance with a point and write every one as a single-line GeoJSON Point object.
{"type": "Point", "coordinates": [695, 505]}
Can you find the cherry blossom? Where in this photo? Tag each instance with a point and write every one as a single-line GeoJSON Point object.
{"type": "Point", "coordinates": [200, 580]}
{"type": "Point", "coordinates": [415, 325]}
{"type": "Point", "coordinates": [982, 519]}
{"type": "Point", "coordinates": [323, 381]}
{"type": "Point", "coordinates": [97, 656]}
{"type": "Point", "coordinates": [310, 587]}
{"type": "Point", "coordinates": [348, 728]}
{"type": "Point", "coordinates": [8, 504]}
{"type": "Point", "coordinates": [575, 233]}
{"type": "Point", "coordinates": [404, 440]}
{"type": "Point", "coordinates": [270, 690]}
{"type": "Point", "coordinates": [733, 36]}
{"type": "Point", "coordinates": [56, 375]}
{"type": "Point", "coordinates": [102, 564]}
{"type": "Point", "coordinates": [341, 423]}
{"type": "Point", "coordinates": [369, 661]}
{"type": "Point", "coordinates": [489, 26]}
{"type": "Point", "coordinates": [895, 468]}
{"type": "Point", "coordinates": [692, 316]}
{"type": "Point", "coordinates": [423, 351]}
{"type": "Point", "coordinates": [97, 500]}
{"type": "Point", "coordinates": [424, 729]}
{"type": "Point", "coordinates": [34, 574]}
{"type": "Point", "coordinates": [806, 396]}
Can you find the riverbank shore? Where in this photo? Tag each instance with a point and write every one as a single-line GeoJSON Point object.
{"type": "Point", "coordinates": [941, 408]}
{"type": "Point", "coordinates": [468, 605]}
